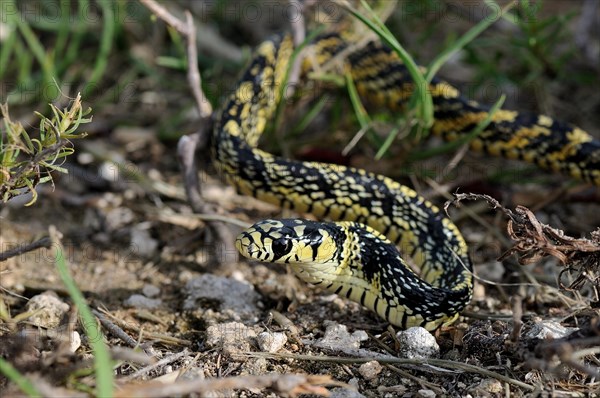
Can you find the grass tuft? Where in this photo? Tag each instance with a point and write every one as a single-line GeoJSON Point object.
{"type": "Point", "coordinates": [26, 162]}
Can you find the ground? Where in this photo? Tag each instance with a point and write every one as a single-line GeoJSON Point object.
{"type": "Point", "coordinates": [154, 271]}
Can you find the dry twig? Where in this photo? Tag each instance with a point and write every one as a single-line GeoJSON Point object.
{"type": "Point", "coordinates": [535, 240]}
{"type": "Point", "coordinates": [430, 362]}
{"type": "Point", "coordinates": [188, 146]}
{"type": "Point", "coordinates": [162, 338]}
{"type": "Point", "coordinates": [284, 384]}
{"type": "Point", "coordinates": [165, 361]}
{"type": "Point", "coordinates": [188, 30]}
{"type": "Point", "coordinates": [38, 244]}
{"type": "Point", "coordinates": [115, 330]}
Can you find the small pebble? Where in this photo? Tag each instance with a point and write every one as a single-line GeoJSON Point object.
{"type": "Point", "coordinates": [425, 393]}
{"type": "Point", "coordinates": [231, 337]}
{"type": "Point", "coordinates": [48, 309]}
{"type": "Point", "coordinates": [345, 393]}
{"type": "Point", "coordinates": [549, 329]}
{"type": "Point", "coordinates": [192, 373]}
{"type": "Point", "coordinates": [370, 370]}
{"type": "Point", "coordinates": [142, 243]}
{"type": "Point", "coordinates": [118, 217]}
{"type": "Point", "coordinates": [142, 302]}
{"type": "Point", "coordinates": [271, 342]}
{"type": "Point", "coordinates": [417, 342]}
{"type": "Point", "coordinates": [337, 337]}
{"type": "Point", "coordinates": [236, 298]}
{"type": "Point", "coordinates": [150, 290]}
{"type": "Point", "coordinates": [75, 341]}
{"type": "Point", "coordinates": [490, 386]}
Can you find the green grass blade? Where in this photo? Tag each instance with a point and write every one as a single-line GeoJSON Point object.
{"type": "Point", "coordinates": [7, 48]}
{"type": "Point", "coordinates": [505, 15]}
{"type": "Point", "coordinates": [359, 110]}
{"type": "Point", "coordinates": [450, 146]}
{"type": "Point", "coordinates": [421, 98]}
{"type": "Point", "coordinates": [361, 113]}
{"type": "Point", "coordinates": [108, 29]}
{"type": "Point", "coordinates": [75, 41]}
{"type": "Point", "coordinates": [388, 142]}
{"type": "Point", "coordinates": [38, 51]}
{"type": "Point", "coordinates": [62, 33]}
{"type": "Point", "coordinates": [102, 362]}
{"type": "Point", "coordinates": [310, 115]}
{"type": "Point", "coordinates": [284, 84]}
{"type": "Point", "coordinates": [23, 62]}
{"type": "Point", "coordinates": [16, 377]}
{"type": "Point", "coordinates": [465, 39]}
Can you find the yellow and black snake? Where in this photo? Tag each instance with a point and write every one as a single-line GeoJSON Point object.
{"type": "Point", "coordinates": [358, 257]}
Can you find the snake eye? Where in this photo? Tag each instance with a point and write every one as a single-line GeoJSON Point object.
{"type": "Point", "coordinates": [281, 247]}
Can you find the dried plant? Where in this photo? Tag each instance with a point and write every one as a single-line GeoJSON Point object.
{"type": "Point", "coordinates": [26, 162]}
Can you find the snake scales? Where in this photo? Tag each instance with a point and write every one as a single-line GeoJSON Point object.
{"type": "Point", "coordinates": [358, 256]}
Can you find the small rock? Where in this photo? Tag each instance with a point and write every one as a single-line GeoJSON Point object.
{"type": "Point", "coordinates": [231, 337]}
{"type": "Point", "coordinates": [354, 382]}
{"type": "Point", "coordinates": [370, 370]}
{"type": "Point", "coordinates": [48, 309]}
{"type": "Point", "coordinates": [75, 341]}
{"type": "Point", "coordinates": [417, 342]}
{"type": "Point", "coordinates": [396, 390]}
{"type": "Point", "coordinates": [255, 366]}
{"type": "Point", "coordinates": [549, 329]}
{"type": "Point", "coordinates": [337, 337]}
{"type": "Point", "coordinates": [237, 298]}
{"type": "Point", "coordinates": [489, 387]}
{"type": "Point", "coordinates": [452, 355]}
{"type": "Point", "coordinates": [271, 342]}
{"type": "Point", "coordinates": [142, 244]}
{"type": "Point", "coordinates": [423, 393]}
{"type": "Point", "coordinates": [192, 373]}
{"type": "Point", "coordinates": [150, 290]}
{"type": "Point", "coordinates": [142, 302]}
{"type": "Point", "coordinates": [345, 393]}
{"type": "Point", "coordinates": [118, 218]}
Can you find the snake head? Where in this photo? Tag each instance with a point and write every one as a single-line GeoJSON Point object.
{"type": "Point", "coordinates": [289, 241]}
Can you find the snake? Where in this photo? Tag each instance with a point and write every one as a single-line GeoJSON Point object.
{"type": "Point", "coordinates": [382, 245]}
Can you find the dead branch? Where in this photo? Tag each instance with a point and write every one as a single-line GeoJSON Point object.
{"type": "Point", "coordinates": [289, 385]}
{"type": "Point", "coordinates": [190, 145]}
{"type": "Point", "coordinates": [535, 240]}
{"type": "Point", "coordinates": [188, 30]}
{"type": "Point", "coordinates": [38, 244]}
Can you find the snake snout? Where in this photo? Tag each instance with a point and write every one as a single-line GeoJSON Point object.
{"type": "Point", "coordinates": [246, 246]}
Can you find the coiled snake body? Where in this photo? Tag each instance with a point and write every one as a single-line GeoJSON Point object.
{"type": "Point", "coordinates": [358, 257]}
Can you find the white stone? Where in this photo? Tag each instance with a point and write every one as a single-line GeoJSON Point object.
{"type": "Point", "coordinates": [238, 298]}
{"type": "Point", "coordinates": [47, 310]}
{"type": "Point", "coordinates": [426, 393]}
{"type": "Point", "coordinates": [150, 290]}
{"type": "Point", "coordinates": [417, 342]}
{"type": "Point", "coordinates": [337, 337]}
{"type": "Point", "coordinates": [230, 337]}
{"type": "Point", "coordinates": [271, 341]}
{"type": "Point", "coordinates": [370, 370]}
{"type": "Point", "coordinates": [142, 302]}
{"type": "Point", "coordinates": [549, 329]}
{"type": "Point", "coordinates": [75, 341]}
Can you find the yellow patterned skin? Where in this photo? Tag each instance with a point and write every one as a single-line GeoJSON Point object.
{"type": "Point", "coordinates": [358, 257]}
